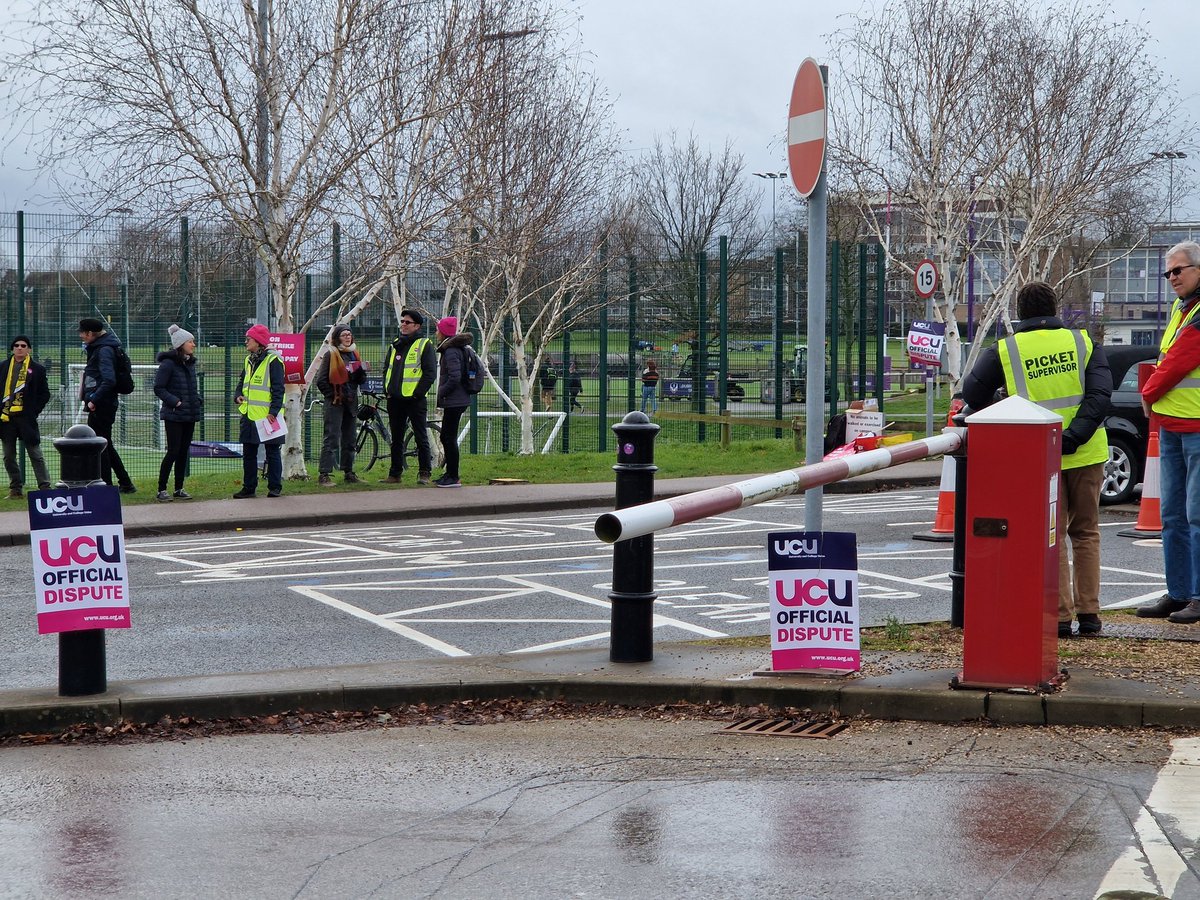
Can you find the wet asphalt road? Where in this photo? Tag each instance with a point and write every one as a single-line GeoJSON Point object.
{"type": "Point", "coordinates": [603, 808]}
{"type": "Point", "coordinates": [287, 598]}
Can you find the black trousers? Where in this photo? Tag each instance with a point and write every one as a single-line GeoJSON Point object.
{"type": "Point", "coordinates": [179, 443]}
{"type": "Point", "coordinates": [101, 420]}
{"type": "Point", "coordinates": [409, 413]}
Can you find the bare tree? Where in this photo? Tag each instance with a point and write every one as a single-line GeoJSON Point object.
{"type": "Point", "coordinates": [160, 98]}
{"type": "Point", "coordinates": [684, 197]}
{"type": "Point", "coordinates": [536, 161]}
{"type": "Point", "coordinates": [1001, 129]}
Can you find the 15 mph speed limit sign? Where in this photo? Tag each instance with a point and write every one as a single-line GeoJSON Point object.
{"type": "Point", "coordinates": [925, 279]}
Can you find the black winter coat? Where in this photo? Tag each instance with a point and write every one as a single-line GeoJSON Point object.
{"type": "Point", "coordinates": [37, 395]}
{"type": "Point", "coordinates": [450, 393]}
{"type": "Point", "coordinates": [176, 386]}
{"type": "Point", "coordinates": [99, 372]}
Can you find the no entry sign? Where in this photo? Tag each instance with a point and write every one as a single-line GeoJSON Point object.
{"type": "Point", "coordinates": [806, 128]}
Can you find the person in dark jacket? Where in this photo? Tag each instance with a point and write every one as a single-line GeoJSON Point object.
{"type": "Point", "coordinates": [259, 396]}
{"type": "Point", "coordinates": [341, 372]}
{"type": "Point", "coordinates": [182, 407]}
{"type": "Point", "coordinates": [452, 396]}
{"type": "Point", "coordinates": [99, 395]}
{"type": "Point", "coordinates": [408, 374]}
{"type": "Point", "coordinates": [574, 387]}
{"type": "Point", "coordinates": [1042, 361]}
{"type": "Point", "coordinates": [24, 393]}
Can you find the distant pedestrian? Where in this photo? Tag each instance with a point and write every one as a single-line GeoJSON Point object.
{"type": "Point", "coordinates": [452, 396]}
{"type": "Point", "coordinates": [341, 372]}
{"type": "Point", "coordinates": [259, 397]}
{"type": "Point", "coordinates": [546, 381]}
{"type": "Point", "coordinates": [100, 396]}
{"type": "Point", "coordinates": [25, 394]}
{"type": "Point", "coordinates": [650, 386]}
{"type": "Point", "coordinates": [574, 387]}
{"type": "Point", "coordinates": [175, 384]}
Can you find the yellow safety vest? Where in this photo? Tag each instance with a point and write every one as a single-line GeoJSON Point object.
{"type": "Point", "coordinates": [410, 373]}
{"type": "Point", "coordinates": [1046, 367]}
{"type": "Point", "coordinates": [1183, 400]}
{"type": "Point", "coordinates": [256, 388]}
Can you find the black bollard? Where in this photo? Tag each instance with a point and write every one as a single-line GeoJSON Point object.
{"type": "Point", "coordinates": [82, 667]}
{"type": "Point", "coordinates": [958, 557]}
{"type": "Point", "coordinates": [631, 638]}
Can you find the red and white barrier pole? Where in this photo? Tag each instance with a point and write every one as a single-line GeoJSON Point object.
{"type": "Point", "coordinates": [635, 521]}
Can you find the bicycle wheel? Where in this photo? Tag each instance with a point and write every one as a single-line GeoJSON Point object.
{"type": "Point", "coordinates": [436, 455]}
{"type": "Point", "coordinates": [366, 447]}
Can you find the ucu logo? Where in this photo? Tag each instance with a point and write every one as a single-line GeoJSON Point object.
{"type": "Point", "coordinates": [81, 551]}
{"type": "Point", "coordinates": [47, 505]}
{"type": "Point", "coordinates": [797, 547]}
{"type": "Point", "coordinates": [815, 592]}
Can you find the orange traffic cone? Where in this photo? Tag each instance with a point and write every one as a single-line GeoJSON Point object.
{"type": "Point", "coordinates": [943, 520]}
{"type": "Point", "coordinates": [1149, 520]}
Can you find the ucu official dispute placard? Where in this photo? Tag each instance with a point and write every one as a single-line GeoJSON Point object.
{"type": "Point", "coordinates": [814, 600]}
{"type": "Point", "coordinates": [79, 572]}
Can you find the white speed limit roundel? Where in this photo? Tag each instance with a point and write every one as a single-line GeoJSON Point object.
{"type": "Point", "coordinates": [925, 278]}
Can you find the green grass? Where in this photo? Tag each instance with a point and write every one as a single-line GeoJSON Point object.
{"type": "Point", "coordinates": [217, 479]}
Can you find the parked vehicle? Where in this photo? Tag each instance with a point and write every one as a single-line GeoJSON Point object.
{"type": "Point", "coordinates": [1126, 424]}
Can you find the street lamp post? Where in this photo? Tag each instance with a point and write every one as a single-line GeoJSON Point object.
{"type": "Point", "coordinates": [1170, 156]}
{"type": "Point", "coordinates": [774, 176]}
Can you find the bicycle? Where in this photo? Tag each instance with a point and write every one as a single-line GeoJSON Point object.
{"type": "Point", "coordinates": [374, 441]}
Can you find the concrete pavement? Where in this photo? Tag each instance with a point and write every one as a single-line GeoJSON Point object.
{"type": "Point", "coordinates": [908, 688]}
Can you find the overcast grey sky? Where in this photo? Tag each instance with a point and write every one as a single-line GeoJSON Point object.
{"type": "Point", "coordinates": [723, 70]}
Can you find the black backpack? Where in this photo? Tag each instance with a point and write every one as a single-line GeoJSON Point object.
{"type": "Point", "coordinates": [473, 375]}
{"type": "Point", "coordinates": [124, 371]}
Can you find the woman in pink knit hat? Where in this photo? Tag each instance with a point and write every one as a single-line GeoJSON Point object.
{"type": "Point", "coordinates": [452, 396]}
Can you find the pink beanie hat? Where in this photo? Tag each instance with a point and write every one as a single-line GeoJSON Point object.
{"type": "Point", "coordinates": [448, 327]}
{"type": "Point", "coordinates": [260, 333]}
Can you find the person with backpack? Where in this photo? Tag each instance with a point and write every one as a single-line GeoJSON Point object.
{"type": "Point", "coordinates": [106, 375]}
{"type": "Point", "coordinates": [175, 384]}
{"type": "Point", "coordinates": [25, 392]}
{"type": "Point", "coordinates": [454, 391]}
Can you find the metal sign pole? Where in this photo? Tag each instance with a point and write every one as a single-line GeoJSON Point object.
{"type": "Point", "coordinates": [814, 394]}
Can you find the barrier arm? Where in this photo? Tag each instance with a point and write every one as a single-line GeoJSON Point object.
{"type": "Point", "coordinates": [636, 521]}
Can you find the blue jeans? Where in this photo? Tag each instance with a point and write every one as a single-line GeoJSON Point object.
{"type": "Point", "coordinates": [650, 397]}
{"type": "Point", "coordinates": [1179, 468]}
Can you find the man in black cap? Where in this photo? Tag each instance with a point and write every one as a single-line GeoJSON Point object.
{"type": "Point", "coordinates": [99, 394]}
{"type": "Point", "coordinates": [24, 392]}
{"type": "Point", "coordinates": [408, 373]}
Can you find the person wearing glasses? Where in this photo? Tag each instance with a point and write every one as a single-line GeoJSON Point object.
{"type": "Point", "coordinates": [25, 393]}
{"type": "Point", "coordinates": [408, 372]}
{"type": "Point", "coordinates": [1171, 399]}
{"type": "Point", "coordinates": [1061, 370]}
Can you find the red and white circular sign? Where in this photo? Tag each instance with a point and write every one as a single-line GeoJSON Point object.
{"type": "Point", "coordinates": [925, 278]}
{"type": "Point", "coordinates": [806, 128]}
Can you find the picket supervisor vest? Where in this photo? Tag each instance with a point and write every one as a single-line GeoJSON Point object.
{"type": "Point", "coordinates": [1046, 366]}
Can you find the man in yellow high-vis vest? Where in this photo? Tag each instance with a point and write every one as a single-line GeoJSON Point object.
{"type": "Point", "coordinates": [1061, 370]}
{"type": "Point", "coordinates": [259, 395]}
{"type": "Point", "coordinates": [1171, 399]}
{"type": "Point", "coordinates": [409, 370]}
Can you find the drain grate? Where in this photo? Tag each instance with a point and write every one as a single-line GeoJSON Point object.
{"type": "Point", "coordinates": [784, 728]}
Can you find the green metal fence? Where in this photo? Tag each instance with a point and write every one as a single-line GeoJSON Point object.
{"type": "Point", "coordinates": [725, 335]}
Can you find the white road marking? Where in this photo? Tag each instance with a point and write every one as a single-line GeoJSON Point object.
{"type": "Point", "coordinates": [403, 630]}
{"type": "Point", "coordinates": [584, 598]}
{"type": "Point", "coordinates": [1155, 863]}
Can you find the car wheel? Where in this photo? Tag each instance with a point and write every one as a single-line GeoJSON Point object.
{"type": "Point", "coordinates": [1122, 471]}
